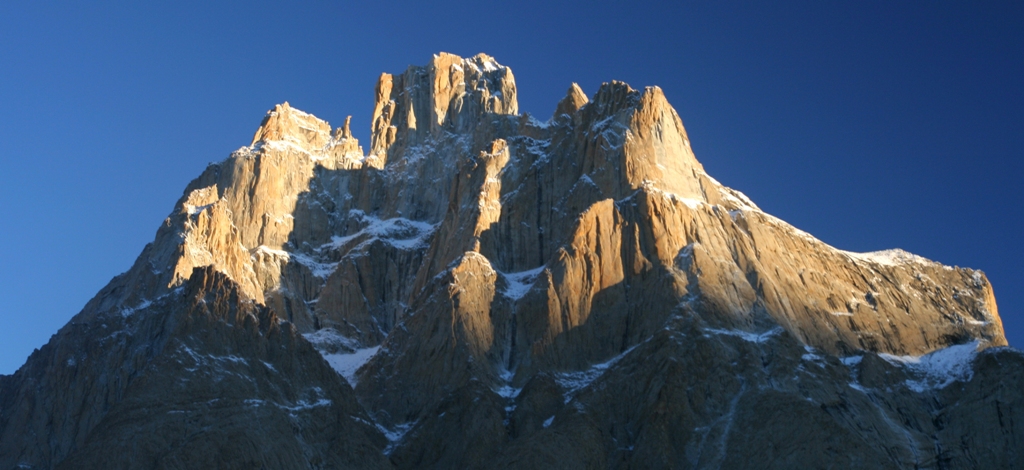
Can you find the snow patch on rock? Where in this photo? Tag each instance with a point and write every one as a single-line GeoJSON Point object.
{"type": "Point", "coordinates": [331, 341]}
{"type": "Point", "coordinates": [398, 231]}
{"type": "Point", "coordinates": [127, 312]}
{"type": "Point", "coordinates": [519, 283]}
{"type": "Point", "coordinates": [748, 336]}
{"type": "Point", "coordinates": [940, 368]}
{"type": "Point", "coordinates": [893, 257]}
{"type": "Point", "coordinates": [573, 382]}
{"type": "Point", "coordinates": [348, 364]}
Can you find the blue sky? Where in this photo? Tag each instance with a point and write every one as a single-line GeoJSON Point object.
{"type": "Point", "coordinates": [871, 125]}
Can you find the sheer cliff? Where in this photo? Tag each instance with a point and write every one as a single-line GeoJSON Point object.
{"type": "Point", "coordinates": [483, 289]}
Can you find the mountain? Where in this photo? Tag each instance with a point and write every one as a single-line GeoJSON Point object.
{"type": "Point", "coordinates": [482, 289]}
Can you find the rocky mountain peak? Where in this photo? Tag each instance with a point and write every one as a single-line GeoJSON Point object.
{"type": "Point", "coordinates": [484, 290]}
{"type": "Point", "coordinates": [450, 94]}
{"type": "Point", "coordinates": [345, 131]}
{"type": "Point", "coordinates": [573, 101]}
{"type": "Point", "coordinates": [639, 138]}
{"type": "Point", "coordinates": [287, 124]}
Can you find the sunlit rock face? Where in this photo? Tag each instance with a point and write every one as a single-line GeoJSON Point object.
{"type": "Point", "coordinates": [485, 290]}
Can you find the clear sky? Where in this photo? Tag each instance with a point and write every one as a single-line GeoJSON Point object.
{"type": "Point", "coordinates": [869, 124]}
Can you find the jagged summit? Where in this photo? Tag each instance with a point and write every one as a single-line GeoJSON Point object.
{"type": "Point", "coordinates": [481, 289]}
{"type": "Point", "coordinates": [450, 94]}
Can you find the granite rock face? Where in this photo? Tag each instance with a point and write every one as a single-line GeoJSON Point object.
{"type": "Point", "coordinates": [485, 290]}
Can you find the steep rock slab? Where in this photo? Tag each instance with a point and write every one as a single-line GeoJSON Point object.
{"type": "Point", "coordinates": [201, 377]}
